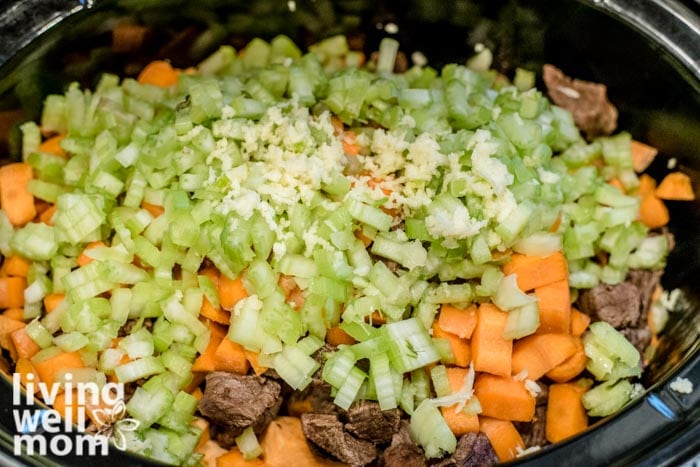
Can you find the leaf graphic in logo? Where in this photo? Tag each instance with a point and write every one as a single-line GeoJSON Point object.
{"type": "Point", "coordinates": [120, 427]}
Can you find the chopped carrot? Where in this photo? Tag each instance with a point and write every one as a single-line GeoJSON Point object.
{"type": "Point", "coordinates": [24, 367]}
{"type": "Point", "coordinates": [504, 398]}
{"type": "Point", "coordinates": [338, 126]}
{"type": "Point", "coordinates": [213, 313]}
{"type": "Point", "coordinates": [211, 451]}
{"type": "Point", "coordinates": [254, 361]}
{"type": "Point", "coordinates": [676, 186]}
{"type": "Point", "coordinates": [197, 393]}
{"type": "Point", "coordinates": [503, 436]}
{"type": "Point", "coordinates": [154, 209]}
{"type": "Point", "coordinates": [642, 156]}
{"type": "Point", "coordinates": [539, 353]}
{"type": "Point", "coordinates": [231, 291]}
{"type": "Point", "coordinates": [284, 444]}
{"type": "Point", "coordinates": [203, 425]}
{"type": "Point", "coordinates": [349, 141]}
{"type": "Point", "coordinates": [14, 313]}
{"type": "Point", "coordinates": [59, 404]}
{"type": "Point", "coordinates": [12, 292]}
{"type": "Point", "coordinates": [459, 422]}
{"type": "Point", "coordinates": [15, 197]}
{"type": "Point", "coordinates": [537, 271]}
{"type": "Point", "coordinates": [336, 336]}
{"type": "Point", "coordinates": [490, 351]}
{"type": "Point", "coordinates": [234, 458]}
{"type": "Point", "coordinates": [15, 265]}
{"type": "Point", "coordinates": [554, 301]}
{"type": "Point", "coordinates": [365, 239]}
{"type": "Point", "coordinates": [653, 211]}
{"type": "Point", "coordinates": [461, 349]}
{"type": "Point", "coordinates": [48, 367]}
{"type": "Point", "coordinates": [555, 225]}
{"type": "Point", "coordinates": [51, 301]}
{"type": "Point", "coordinates": [617, 183]}
{"type": "Point", "coordinates": [159, 73]}
{"type": "Point", "coordinates": [206, 360]}
{"type": "Point", "coordinates": [566, 415]}
{"type": "Point", "coordinates": [196, 381]}
{"type": "Point", "coordinates": [579, 322]}
{"type": "Point", "coordinates": [571, 367]}
{"type": "Point", "coordinates": [376, 318]}
{"type": "Point", "coordinates": [458, 321]}
{"type": "Point", "coordinates": [229, 356]}
{"type": "Point", "coordinates": [47, 216]}
{"type": "Point", "coordinates": [25, 345]}
{"type": "Point", "coordinates": [7, 327]}
{"type": "Point", "coordinates": [52, 145]}
{"type": "Point", "coordinates": [647, 185]}
{"type": "Point", "coordinates": [84, 259]}
{"type": "Point", "coordinates": [212, 273]}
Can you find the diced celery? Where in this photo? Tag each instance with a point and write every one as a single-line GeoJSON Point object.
{"type": "Point", "coordinates": [431, 432]}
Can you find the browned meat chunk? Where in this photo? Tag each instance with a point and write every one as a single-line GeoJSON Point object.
{"type": "Point", "coordinates": [403, 451]}
{"type": "Point", "coordinates": [366, 420]}
{"type": "Point", "coordinates": [617, 304]}
{"type": "Point", "coordinates": [646, 282]}
{"type": "Point", "coordinates": [533, 433]}
{"type": "Point", "coordinates": [473, 450]}
{"type": "Point", "coordinates": [639, 337]}
{"type": "Point", "coordinates": [234, 402]}
{"type": "Point", "coordinates": [325, 431]}
{"type": "Point", "coordinates": [587, 101]}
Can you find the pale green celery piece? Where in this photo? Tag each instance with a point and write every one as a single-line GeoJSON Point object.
{"type": "Point", "coordinates": [431, 432]}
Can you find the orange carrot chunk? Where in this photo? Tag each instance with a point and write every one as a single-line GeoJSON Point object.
{"type": "Point", "coordinates": [51, 301]}
{"type": "Point", "coordinates": [540, 353]}
{"type": "Point", "coordinates": [647, 185]}
{"type": "Point", "coordinates": [459, 422]}
{"type": "Point", "coordinates": [7, 327]}
{"type": "Point", "coordinates": [254, 361]}
{"type": "Point", "coordinates": [653, 211]}
{"type": "Point", "coordinates": [336, 336]}
{"type": "Point", "coordinates": [554, 301]}
{"type": "Point", "coordinates": [458, 321]}
{"type": "Point", "coordinates": [642, 156]}
{"type": "Point", "coordinates": [566, 415]}
{"type": "Point", "coordinates": [229, 356]}
{"type": "Point", "coordinates": [504, 438]}
{"type": "Point", "coordinates": [537, 271]}
{"type": "Point", "coordinates": [460, 347]}
{"type": "Point", "coordinates": [15, 197]}
{"type": "Point", "coordinates": [504, 398]}
{"type": "Point", "coordinates": [53, 146]}
{"type": "Point", "coordinates": [15, 265]}
{"type": "Point", "coordinates": [24, 345]}
{"type": "Point", "coordinates": [490, 352]}
{"type": "Point", "coordinates": [14, 313]}
{"type": "Point", "coordinates": [206, 361]}
{"type": "Point", "coordinates": [571, 367]}
{"type": "Point", "coordinates": [231, 291]}
{"type": "Point", "coordinates": [676, 186]}
{"type": "Point", "coordinates": [47, 368]}
{"type": "Point", "coordinates": [213, 313]}
{"type": "Point", "coordinates": [158, 73]}
{"type": "Point", "coordinates": [12, 292]}
{"type": "Point", "coordinates": [579, 322]}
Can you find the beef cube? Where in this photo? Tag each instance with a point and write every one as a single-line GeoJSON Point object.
{"type": "Point", "coordinates": [646, 282]}
{"type": "Point", "coordinates": [233, 402]}
{"type": "Point", "coordinates": [587, 101]}
{"type": "Point", "coordinates": [617, 304]}
{"type": "Point", "coordinates": [473, 450]}
{"type": "Point", "coordinates": [403, 451]}
{"type": "Point", "coordinates": [325, 431]}
{"type": "Point", "coordinates": [533, 433]}
{"type": "Point", "coordinates": [367, 420]}
{"type": "Point", "coordinates": [639, 337]}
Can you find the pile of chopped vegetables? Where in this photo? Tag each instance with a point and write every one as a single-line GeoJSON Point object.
{"type": "Point", "coordinates": [415, 239]}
